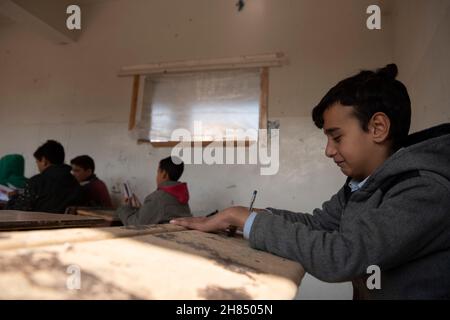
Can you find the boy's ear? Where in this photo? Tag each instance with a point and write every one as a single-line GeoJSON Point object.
{"type": "Point", "coordinates": [379, 126]}
{"type": "Point", "coordinates": [164, 174]}
{"type": "Point", "coordinates": [45, 161]}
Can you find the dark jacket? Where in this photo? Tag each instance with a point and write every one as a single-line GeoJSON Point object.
{"type": "Point", "coordinates": [52, 191]}
{"type": "Point", "coordinates": [399, 221]}
{"type": "Point", "coordinates": [169, 201]}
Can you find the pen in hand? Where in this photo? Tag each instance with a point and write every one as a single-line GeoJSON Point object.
{"type": "Point", "coordinates": [212, 213]}
{"type": "Point", "coordinates": [252, 202]}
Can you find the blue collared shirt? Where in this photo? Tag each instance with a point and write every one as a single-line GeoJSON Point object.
{"type": "Point", "coordinates": [353, 184]}
{"type": "Point", "coordinates": [248, 224]}
{"type": "Point", "coordinates": [356, 185]}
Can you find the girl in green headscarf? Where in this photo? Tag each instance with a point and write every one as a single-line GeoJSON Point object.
{"type": "Point", "coordinates": [12, 167]}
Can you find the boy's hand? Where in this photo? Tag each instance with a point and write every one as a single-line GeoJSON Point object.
{"type": "Point", "coordinates": [12, 193]}
{"type": "Point", "coordinates": [133, 201]}
{"type": "Point", "coordinates": [234, 216]}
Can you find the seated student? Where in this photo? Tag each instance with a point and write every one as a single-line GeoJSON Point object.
{"type": "Point", "coordinates": [393, 212]}
{"type": "Point", "coordinates": [95, 191]}
{"type": "Point", "coordinates": [12, 168]}
{"type": "Point", "coordinates": [54, 188]}
{"type": "Point", "coordinates": [170, 200]}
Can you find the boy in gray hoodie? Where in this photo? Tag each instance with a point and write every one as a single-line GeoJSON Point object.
{"type": "Point", "coordinates": [391, 215]}
{"type": "Point", "coordinates": [170, 200]}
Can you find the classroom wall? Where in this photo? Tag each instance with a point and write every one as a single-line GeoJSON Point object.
{"type": "Point", "coordinates": [72, 93]}
{"type": "Point", "coordinates": [422, 49]}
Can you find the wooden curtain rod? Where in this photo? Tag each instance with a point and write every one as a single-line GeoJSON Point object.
{"type": "Point", "coordinates": [254, 61]}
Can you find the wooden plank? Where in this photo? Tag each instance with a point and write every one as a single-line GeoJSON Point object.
{"type": "Point", "coordinates": [134, 101]}
{"type": "Point", "coordinates": [25, 220]}
{"type": "Point", "coordinates": [249, 61]}
{"type": "Point", "coordinates": [203, 144]}
{"type": "Point", "coordinates": [264, 99]}
{"type": "Point", "coordinates": [173, 265]}
{"type": "Point", "coordinates": [106, 214]}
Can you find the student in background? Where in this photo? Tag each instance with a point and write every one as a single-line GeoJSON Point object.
{"type": "Point", "coordinates": [12, 168]}
{"type": "Point", "coordinates": [95, 191]}
{"type": "Point", "coordinates": [392, 213]}
{"type": "Point", "coordinates": [169, 201]}
{"type": "Point", "coordinates": [54, 188]}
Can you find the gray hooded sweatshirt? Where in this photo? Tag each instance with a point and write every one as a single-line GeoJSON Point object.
{"type": "Point", "coordinates": [169, 201]}
{"type": "Point", "coordinates": [399, 221]}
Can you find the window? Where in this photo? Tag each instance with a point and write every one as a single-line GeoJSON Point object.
{"type": "Point", "coordinates": [212, 103]}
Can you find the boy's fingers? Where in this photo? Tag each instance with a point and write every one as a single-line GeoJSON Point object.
{"type": "Point", "coordinates": [184, 222]}
{"type": "Point", "coordinates": [177, 222]}
{"type": "Point", "coordinates": [197, 223]}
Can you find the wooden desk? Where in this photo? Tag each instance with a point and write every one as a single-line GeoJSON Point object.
{"type": "Point", "coordinates": [26, 220]}
{"type": "Point", "coordinates": [109, 215]}
{"type": "Point", "coordinates": [150, 262]}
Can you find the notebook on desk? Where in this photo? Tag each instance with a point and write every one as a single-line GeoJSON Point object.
{"type": "Point", "coordinates": [5, 190]}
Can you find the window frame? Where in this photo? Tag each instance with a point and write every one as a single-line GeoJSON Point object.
{"type": "Point", "coordinates": [262, 62]}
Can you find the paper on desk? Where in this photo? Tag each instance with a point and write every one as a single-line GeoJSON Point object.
{"type": "Point", "coordinates": [3, 196]}
{"type": "Point", "coordinates": [4, 190]}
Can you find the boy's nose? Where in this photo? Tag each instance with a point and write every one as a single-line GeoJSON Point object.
{"type": "Point", "coordinates": [330, 151]}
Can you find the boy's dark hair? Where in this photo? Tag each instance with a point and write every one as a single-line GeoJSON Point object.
{"type": "Point", "coordinates": [174, 167]}
{"type": "Point", "coordinates": [370, 92]}
{"type": "Point", "coordinates": [52, 150]}
{"type": "Point", "coordinates": [84, 162]}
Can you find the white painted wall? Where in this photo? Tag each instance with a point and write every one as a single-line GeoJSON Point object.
{"type": "Point", "coordinates": [71, 93]}
{"type": "Point", "coordinates": [421, 45]}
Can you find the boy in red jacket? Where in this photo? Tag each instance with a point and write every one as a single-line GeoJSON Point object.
{"type": "Point", "coordinates": [170, 200]}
